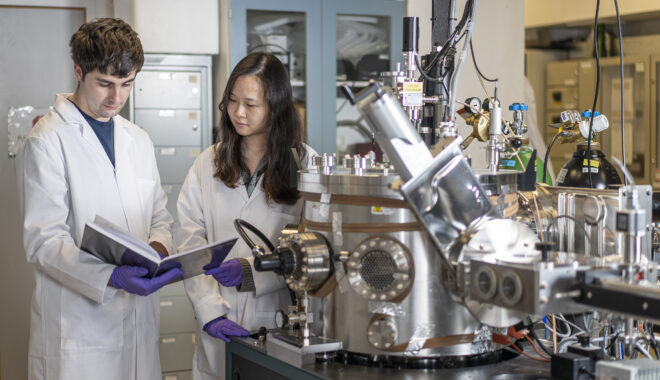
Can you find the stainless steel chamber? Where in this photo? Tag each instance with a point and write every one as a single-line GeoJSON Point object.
{"type": "Point", "coordinates": [388, 296]}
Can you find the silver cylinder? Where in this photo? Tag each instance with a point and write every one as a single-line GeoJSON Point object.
{"type": "Point", "coordinates": [390, 298]}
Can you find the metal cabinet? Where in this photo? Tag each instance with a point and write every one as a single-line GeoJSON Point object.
{"type": "Point", "coordinates": [171, 101]}
{"type": "Point", "coordinates": [572, 85]}
{"type": "Point", "coordinates": [177, 332]}
{"type": "Point", "coordinates": [637, 87]}
{"type": "Point", "coordinates": [176, 352]}
{"type": "Point", "coordinates": [569, 85]}
{"type": "Point", "coordinates": [303, 33]}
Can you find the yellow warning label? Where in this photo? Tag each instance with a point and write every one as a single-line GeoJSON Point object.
{"type": "Point", "coordinates": [594, 163]}
{"type": "Point", "coordinates": [412, 87]}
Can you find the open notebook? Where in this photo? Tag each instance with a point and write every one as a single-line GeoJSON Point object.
{"type": "Point", "coordinates": [114, 245]}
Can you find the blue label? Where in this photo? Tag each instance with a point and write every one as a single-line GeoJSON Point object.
{"type": "Point", "coordinates": [508, 163]}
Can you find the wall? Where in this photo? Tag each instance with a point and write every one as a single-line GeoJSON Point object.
{"type": "Point", "coordinates": [36, 42]}
{"type": "Point", "coordinates": [173, 26]}
{"type": "Point", "coordinates": [498, 40]}
{"type": "Point", "coordinates": [570, 12]}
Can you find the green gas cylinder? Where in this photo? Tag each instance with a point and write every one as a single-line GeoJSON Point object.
{"type": "Point", "coordinates": [508, 160]}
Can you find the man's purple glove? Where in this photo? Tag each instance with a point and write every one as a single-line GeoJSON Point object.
{"type": "Point", "coordinates": [228, 273]}
{"type": "Point", "coordinates": [223, 328]}
{"type": "Point", "coordinates": [132, 279]}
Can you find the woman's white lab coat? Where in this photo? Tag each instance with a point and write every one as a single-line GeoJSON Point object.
{"type": "Point", "coordinates": [206, 211]}
{"type": "Point", "coordinates": [80, 327]}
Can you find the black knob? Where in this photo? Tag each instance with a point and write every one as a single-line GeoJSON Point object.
{"type": "Point", "coordinates": [545, 247]}
{"type": "Point", "coordinates": [262, 333]}
{"type": "Point", "coordinates": [515, 143]}
{"type": "Point", "coordinates": [269, 262]}
{"type": "Point", "coordinates": [583, 340]}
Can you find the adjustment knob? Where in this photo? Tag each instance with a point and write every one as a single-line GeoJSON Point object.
{"type": "Point", "coordinates": [587, 113]}
{"type": "Point", "coordinates": [518, 107]}
{"type": "Point", "coordinates": [545, 247]}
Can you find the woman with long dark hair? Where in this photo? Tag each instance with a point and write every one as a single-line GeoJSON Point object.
{"type": "Point", "coordinates": [250, 173]}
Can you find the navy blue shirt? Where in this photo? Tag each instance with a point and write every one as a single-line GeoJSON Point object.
{"type": "Point", "coordinates": [105, 131]}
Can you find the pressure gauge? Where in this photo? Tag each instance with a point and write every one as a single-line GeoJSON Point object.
{"type": "Point", "coordinates": [281, 319]}
{"type": "Point", "coordinates": [473, 105]}
{"type": "Point", "coordinates": [486, 104]}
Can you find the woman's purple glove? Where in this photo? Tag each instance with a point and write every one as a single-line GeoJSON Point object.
{"type": "Point", "coordinates": [223, 328]}
{"type": "Point", "coordinates": [228, 273]}
{"type": "Point", "coordinates": [132, 279]}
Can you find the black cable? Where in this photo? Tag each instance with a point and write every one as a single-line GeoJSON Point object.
{"type": "Point", "coordinates": [532, 333]}
{"type": "Point", "coordinates": [240, 224]}
{"type": "Point", "coordinates": [654, 344]}
{"type": "Point", "coordinates": [593, 108]}
{"type": "Point", "coordinates": [609, 346]}
{"type": "Point", "coordinates": [474, 60]}
{"type": "Point", "coordinates": [444, 49]}
{"type": "Point", "coordinates": [584, 370]}
{"type": "Point", "coordinates": [547, 155]}
{"type": "Point", "coordinates": [425, 75]}
{"type": "Point", "coordinates": [623, 135]}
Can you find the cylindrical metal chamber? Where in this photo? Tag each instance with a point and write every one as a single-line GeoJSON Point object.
{"type": "Point", "coordinates": [389, 300]}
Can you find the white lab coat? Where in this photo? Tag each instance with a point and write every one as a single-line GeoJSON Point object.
{"type": "Point", "coordinates": [80, 327]}
{"type": "Point", "coordinates": [206, 210]}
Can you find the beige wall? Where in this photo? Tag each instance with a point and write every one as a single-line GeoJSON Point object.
{"type": "Point", "coordinates": [499, 43]}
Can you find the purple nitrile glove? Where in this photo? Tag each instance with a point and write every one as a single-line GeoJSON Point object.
{"type": "Point", "coordinates": [228, 273]}
{"type": "Point", "coordinates": [132, 279]}
{"type": "Point", "coordinates": [223, 328]}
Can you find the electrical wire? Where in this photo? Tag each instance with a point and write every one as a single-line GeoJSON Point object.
{"type": "Point", "coordinates": [584, 370]}
{"type": "Point", "coordinates": [642, 350]}
{"type": "Point", "coordinates": [593, 108]}
{"type": "Point", "coordinates": [541, 359]}
{"type": "Point", "coordinates": [538, 340]}
{"type": "Point", "coordinates": [654, 344]}
{"type": "Point", "coordinates": [474, 60]}
{"type": "Point", "coordinates": [623, 135]}
{"type": "Point", "coordinates": [560, 316]}
{"type": "Point", "coordinates": [567, 334]}
{"type": "Point", "coordinates": [444, 48]}
{"type": "Point", "coordinates": [534, 346]}
{"type": "Point", "coordinates": [461, 59]}
{"type": "Point", "coordinates": [547, 155]}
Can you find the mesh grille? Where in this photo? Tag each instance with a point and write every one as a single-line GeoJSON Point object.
{"type": "Point", "coordinates": [377, 269]}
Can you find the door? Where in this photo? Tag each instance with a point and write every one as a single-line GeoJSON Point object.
{"type": "Point", "coordinates": [290, 30]}
{"type": "Point", "coordinates": [35, 65]}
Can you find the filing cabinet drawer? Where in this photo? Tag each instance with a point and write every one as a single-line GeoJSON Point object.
{"type": "Point", "coordinates": [174, 162]}
{"type": "Point", "coordinates": [168, 89]}
{"type": "Point", "coordinates": [176, 315]}
{"type": "Point", "coordinates": [176, 351]}
{"type": "Point", "coordinates": [179, 375]}
{"type": "Point", "coordinates": [170, 127]}
{"type": "Point", "coordinates": [561, 98]}
{"type": "Point", "coordinates": [562, 73]}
